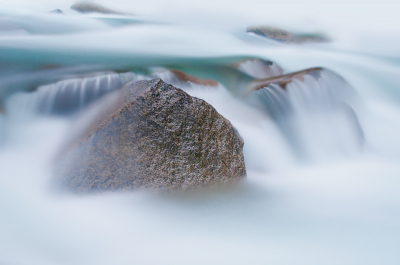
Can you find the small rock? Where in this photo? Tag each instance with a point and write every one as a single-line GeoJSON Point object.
{"type": "Point", "coordinates": [152, 135]}
{"type": "Point", "coordinates": [88, 7]}
{"type": "Point", "coordinates": [285, 36]}
{"type": "Point", "coordinates": [57, 11]}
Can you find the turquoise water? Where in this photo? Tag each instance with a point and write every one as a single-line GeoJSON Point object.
{"type": "Point", "coordinates": [319, 199]}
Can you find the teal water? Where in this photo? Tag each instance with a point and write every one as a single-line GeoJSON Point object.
{"type": "Point", "coordinates": [313, 195]}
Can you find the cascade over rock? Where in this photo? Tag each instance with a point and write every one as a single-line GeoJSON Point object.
{"type": "Point", "coordinates": [314, 102]}
{"type": "Point", "coordinates": [70, 95]}
{"type": "Point", "coordinates": [152, 135]}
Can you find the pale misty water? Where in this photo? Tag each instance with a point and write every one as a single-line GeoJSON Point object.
{"type": "Point", "coordinates": [317, 191]}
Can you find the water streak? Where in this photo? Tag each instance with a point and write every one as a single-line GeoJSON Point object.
{"type": "Point", "coordinates": [69, 95]}
{"type": "Point", "coordinates": [316, 114]}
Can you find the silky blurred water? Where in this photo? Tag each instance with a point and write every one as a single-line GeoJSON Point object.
{"type": "Point", "coordinates": [331, 201]}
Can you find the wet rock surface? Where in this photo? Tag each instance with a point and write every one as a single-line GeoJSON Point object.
{"type": "Point", "coordinates": [283, 80]}
{"type": "Point", "coordinates": [88, 7]}
{"type": "Point", "coordinates": [152, 135]}
{"type": "Point", "coordinates": [285, 36]}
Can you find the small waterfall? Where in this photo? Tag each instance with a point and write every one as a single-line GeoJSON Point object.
{"type": "Point", "coordinates": [260, 69]}
{"type": "Point", "coordinates": [69, 95]}
{"type": "Point", "coordinates": [316, 114]}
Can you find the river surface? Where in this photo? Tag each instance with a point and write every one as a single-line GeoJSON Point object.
{"type": "Point", "coordinates": [317, 190]}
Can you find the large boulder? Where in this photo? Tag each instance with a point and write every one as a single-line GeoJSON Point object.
{"type": "Point", "coordinates": [152, 135]}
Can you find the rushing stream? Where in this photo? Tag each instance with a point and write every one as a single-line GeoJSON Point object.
{"type": "Point", "coordinates": [322, 155]}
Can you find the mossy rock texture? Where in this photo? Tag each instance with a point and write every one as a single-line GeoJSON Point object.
{"type": "Point", "coordinates": [151, 135]}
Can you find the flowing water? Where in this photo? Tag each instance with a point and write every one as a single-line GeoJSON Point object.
{"type": "Point", "coordinates": [322, 156]}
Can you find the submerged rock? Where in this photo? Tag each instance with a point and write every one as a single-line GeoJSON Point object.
{"type": "Point", "coordinates": [188, 78]}
{"type": "Point", "coordinates": [88, 7]}
{"type": "Point", "coordinates": [258, 68]}
{"type": "Point", "coordinates": [181, 79]}
{"type": "Point", "coordinates": [152, 135]}
{"type": "Point", "coordinates": [285, 36]}
{"type": "Point", "coordinates": [57, 11]}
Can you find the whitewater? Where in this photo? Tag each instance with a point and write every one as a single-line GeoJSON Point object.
{"type": "Point", "coordinates": [319, 190]}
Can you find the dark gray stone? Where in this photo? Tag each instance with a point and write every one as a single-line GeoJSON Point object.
{"type": "Point", "coordinates": [152, 135]}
